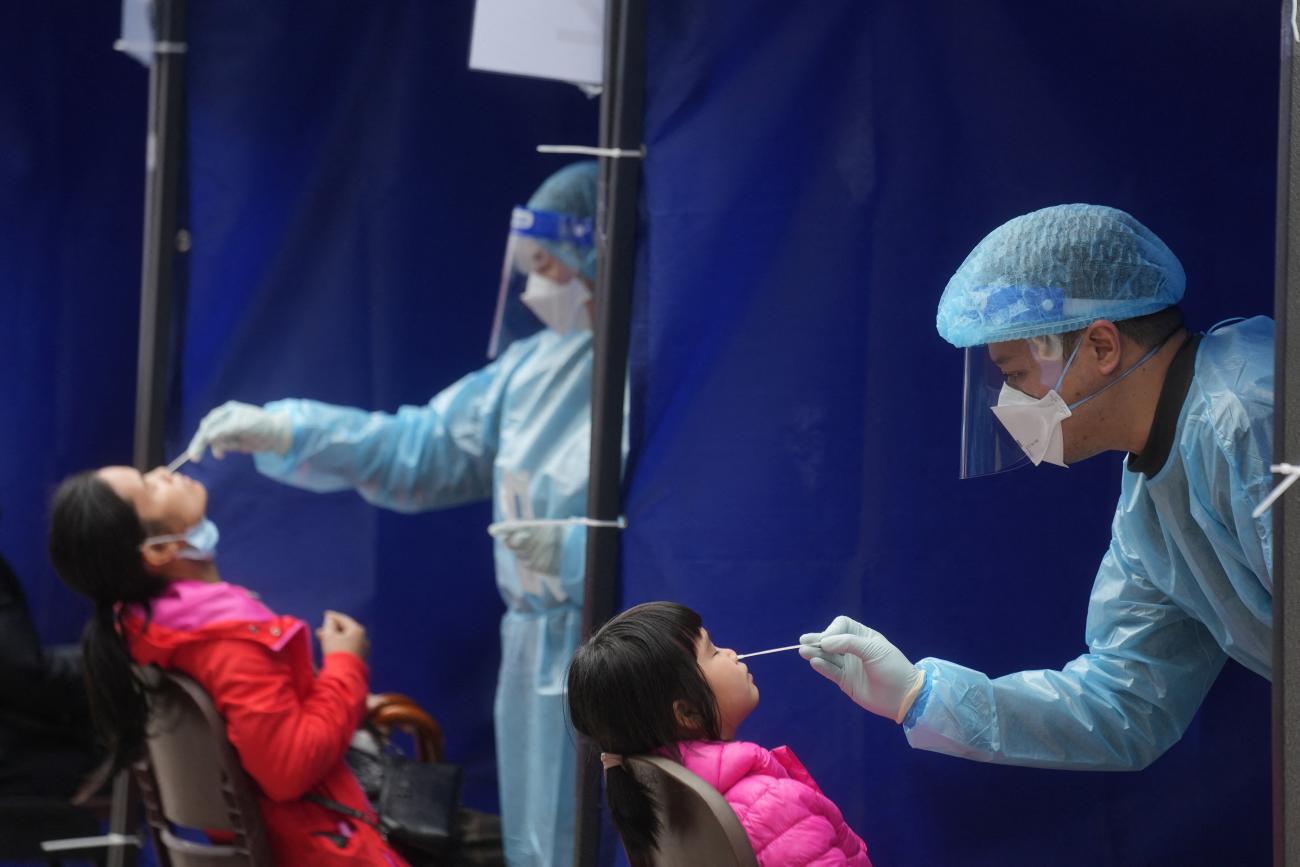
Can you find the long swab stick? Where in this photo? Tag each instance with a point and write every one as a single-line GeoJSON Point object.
{"type": "Point", "coordinates": [775, 650]}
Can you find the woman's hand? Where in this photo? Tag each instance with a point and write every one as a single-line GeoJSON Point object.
{"type": "Point", "coordinates": [339, 633]}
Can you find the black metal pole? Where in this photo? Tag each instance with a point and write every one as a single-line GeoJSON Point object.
{"type": "Point", "coordinates": [621, 107]}
{"type": "Point", "coordinates": [1286, 447]}
{"type": "Point", "coordinates": [163, 173]}
{"type": "Point", "coordinates": [163, 187]}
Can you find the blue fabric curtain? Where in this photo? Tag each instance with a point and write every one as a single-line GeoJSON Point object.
{"type": "Point", "coordinates": [815, 173]}
{"type": "Point", "coordinates": [72, 131]}
{"type": "Point", "coordinates": [350, 191]}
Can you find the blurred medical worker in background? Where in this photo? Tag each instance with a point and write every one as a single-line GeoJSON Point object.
{"type": "Point", "coordinates": [1075, 346]}
{"type": "Point", "coordinates": [518, 431]}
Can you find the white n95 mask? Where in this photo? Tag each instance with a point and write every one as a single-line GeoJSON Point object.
{"type": "Point", "coordinates": [562, 307]}
{"type": "Point", "coordinates": [1034, 424]}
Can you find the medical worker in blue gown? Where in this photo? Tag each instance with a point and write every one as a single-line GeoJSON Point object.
{"type": "Point", "coordinates": [518, 431]}
{"type": "Point", "coordinates": [1074, 346]}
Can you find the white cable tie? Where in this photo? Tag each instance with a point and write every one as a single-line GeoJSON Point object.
{"type": "Point", "coordinates": [505, 526]}
{"type": "Point", "coordinates": [152, 47]}
{"type": "Point", "coordinates": [107, 841]}
{"type": "Point", "coordinates": [1292, 473]}
{"type": "Point", "coordinates": [1295, 32]}
{"type": "Point", "coordinates": [614, 153]}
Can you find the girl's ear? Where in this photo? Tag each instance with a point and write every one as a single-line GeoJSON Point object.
{"type": "Point", "coordinates": [686, 716]}
{"type": "Point", "coordinates": [158, 555]}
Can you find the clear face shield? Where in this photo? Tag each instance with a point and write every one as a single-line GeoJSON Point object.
{"type": "Point", "coordinates": [1011, 408]}
{"type": "Point", "coordinates": [537, 288]}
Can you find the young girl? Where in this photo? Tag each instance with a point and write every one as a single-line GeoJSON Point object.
{"type": "Point", "coordinates": [140, 547]}
{"type": "Point", "coordinates": [652, 681]}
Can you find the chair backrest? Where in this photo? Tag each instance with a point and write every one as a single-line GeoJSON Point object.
{"type": "Point", "coordinates": [698, 826]}
{"type": "Point", "coordinates": [394, 710]}
{"type": "Point", "coordinates": [193, 779]}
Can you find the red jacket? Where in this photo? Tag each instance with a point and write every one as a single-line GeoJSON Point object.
{"type": "Point", "coordinates": [290, 725]}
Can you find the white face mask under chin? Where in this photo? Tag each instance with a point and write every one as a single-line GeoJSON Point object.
{"type": "Point", "coordinates": [1034, 424]}
{"type": "Point", "coordinates": [562, 307]}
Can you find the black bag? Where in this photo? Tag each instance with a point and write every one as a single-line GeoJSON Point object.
{"type": "Point", "coordinates": [417, 802]}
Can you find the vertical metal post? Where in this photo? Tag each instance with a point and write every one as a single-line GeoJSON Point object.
{"type": "Point", "coordinates": [163, 172]}
{"type": "Point", "coordinates": [124, 818]}
{"type": "Point", "coordinates": [1286, 447]}
{"type": "Point", "coordinates": [163, 178]}
{"type": "Point", "coordinates": [621, 127]}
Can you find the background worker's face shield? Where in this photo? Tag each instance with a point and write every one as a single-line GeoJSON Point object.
{"type": "Point", "coordinates": [533, 250]}
{"type": "Point", "coordinates": [1012, 372]}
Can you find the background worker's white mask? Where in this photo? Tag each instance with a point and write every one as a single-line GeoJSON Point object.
{"type": "Point", "coordinates": [1034, 424]}
{"type": "Point", "coordinates": [562, 307]}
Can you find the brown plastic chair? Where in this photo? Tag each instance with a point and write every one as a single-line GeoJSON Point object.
{"type": "Point", "coordinates": [193, 779]}
{"type": "Point", "coordinates": [698, 827]}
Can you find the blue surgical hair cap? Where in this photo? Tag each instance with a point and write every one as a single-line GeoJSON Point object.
{"type": "Point", "coordinates": [571, 191]}
{"type": "Point", "coordinates": [1057, 270]}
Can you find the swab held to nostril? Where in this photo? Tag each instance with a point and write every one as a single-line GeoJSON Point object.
{"type": "Point", "coordinates": [776, 650]}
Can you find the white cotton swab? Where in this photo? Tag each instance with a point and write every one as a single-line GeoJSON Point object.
{"type": "Point", "coordinates": [178, 463]}
{"type": "Point", "coordinates": [776, 650]}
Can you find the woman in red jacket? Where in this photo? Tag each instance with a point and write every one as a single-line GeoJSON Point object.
{"type": "Point", "coordinates": [140, 547]}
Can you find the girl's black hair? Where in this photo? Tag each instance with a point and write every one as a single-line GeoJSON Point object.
{"type": "Point", "coordinates": [635, 687]}
{"type": "Point", "coordinates": [95, 538]}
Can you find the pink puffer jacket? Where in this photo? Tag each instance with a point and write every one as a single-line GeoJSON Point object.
{"type": "Point", "coordinates": [789, 821]}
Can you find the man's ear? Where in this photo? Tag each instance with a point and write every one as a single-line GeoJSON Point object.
{"type": "Point", "coordinates": [158, 555]}
{"type": "Point", "coordinates": [1102, 340]}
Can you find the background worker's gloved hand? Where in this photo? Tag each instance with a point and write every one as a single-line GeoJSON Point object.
{"type": "Point", "coordinates": [862, 662]}
{"type": "Point", "coordinates": [241, 427]}
{"type": "Point", "coordinates": [537, 548]}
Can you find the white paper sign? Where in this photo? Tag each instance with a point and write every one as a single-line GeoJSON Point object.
{"type": "Point", "coordinates": [561, 39]}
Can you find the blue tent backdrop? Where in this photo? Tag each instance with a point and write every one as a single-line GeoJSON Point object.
{"type": "Point", "coordinates": [815, 173]}
{"type": "Point", "coordinates": [814, 176]}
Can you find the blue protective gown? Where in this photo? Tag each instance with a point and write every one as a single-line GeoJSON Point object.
{"type": "Point", "coordinates": [519, 431]}
{"type": "Point", "coordinates": [1186, 583]}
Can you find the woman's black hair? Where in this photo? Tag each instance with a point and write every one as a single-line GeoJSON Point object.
{"type": "Point", "coordinates": [95, 538]}
{"type": "Point", "coordinates": [635, 687]}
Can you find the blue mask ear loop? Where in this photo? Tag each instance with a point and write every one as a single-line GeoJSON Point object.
{"type": "Point", "coordinates": [1064, 370]}
{"type": "Point", "coordinates": [1141, 361]}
